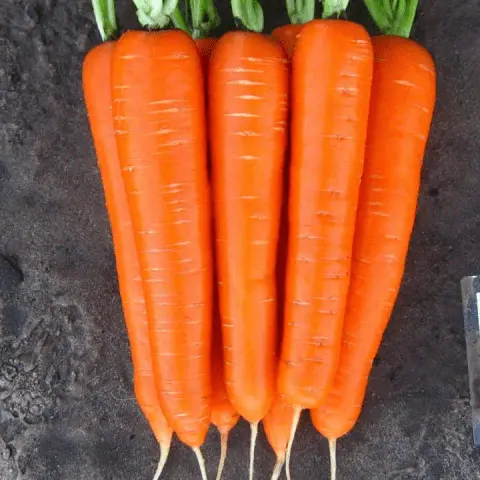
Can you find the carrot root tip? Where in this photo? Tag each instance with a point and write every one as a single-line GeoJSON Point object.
{"type": "Point", "coordinates": [296, 419]}
{"type": "Point", "coordinates": [164, 451]}
{"type": "Point", "coordinates": [201, 462]}
{"type": "Point", "coordinates": [277, 470]}
{"type": "Point", "coordinates": [332, 445]}
{"type": "Point", "coordinates": [223, 454]}
{"type": "Point", "coordinates": [253, 441]}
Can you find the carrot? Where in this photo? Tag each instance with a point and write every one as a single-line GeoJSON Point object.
{"type": "Point", "coordinates": [277, 424]}
{"type": "Point", "coordinates": [98, 99]}
{"type": "Point", "coordinates": [248, 90]}
{"type": "Point", "coordinates": [224, 416]}
{"type": "Point", "coordinates": [403, 96]}
{"type": "Point", "coordinates": [331, 81]}
{"type": "Point", "coordinates": [159, 120]}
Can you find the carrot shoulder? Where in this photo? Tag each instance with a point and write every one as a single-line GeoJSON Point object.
{"type": "Point", "coordinates": [287, 36]}
{"type": "Point", "coordinates": [98, 98]}
{"type": "Point", "coordinates": [331, 75]}
{"type": "Point", "coordinates": [159, 118]}
{"type": "Point", "coordinates": [403, 96]}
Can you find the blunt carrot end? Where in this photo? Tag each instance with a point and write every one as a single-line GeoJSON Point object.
{"type": "Point", "coordinates": [223, 454]}
{"type": "Point", "coordinates": [253, 441]}
{"type": "Point", "coordinates": [277, 470]}
{"type": "Point", "coordinates": [164, 451]}
{"type": "Point", "coordinates": [201, 462]}
{"type": "Point", "coordinates": [332, 445]}
{"type": "Point", "coordinates": [296, 418]}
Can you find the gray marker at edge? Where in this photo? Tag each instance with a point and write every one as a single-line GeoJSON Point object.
{"type": "Point", "coordinates": [471, 315]}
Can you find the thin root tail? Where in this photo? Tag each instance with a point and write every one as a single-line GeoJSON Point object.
{"type": "Point", "coordinates": [201, 462]}
{"type": "Point", "coordinates": [223, 454]}
{"type": "Point", "coordinates": [164, 451]}
{"type": "Point", "coordinates": [296, 419]}
{"type": "Point", "coordinates": [277, 470]}
{"type": "Point", "coordinates": [253, 441]}
{"type": "Point", "coordinates": [332, 445]}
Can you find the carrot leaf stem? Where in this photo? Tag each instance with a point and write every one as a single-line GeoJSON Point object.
{"type": "Point", "coordinates": [155, 13]}
{"type": "Point", "coordinates": [104, 11]}
{"type": "Point", "coordinates": [334, 8]}
{"type": "Point", "coordinates": [381, 13]}
{"type": "Point", "coordinates": [393, 17]}
{"type": "Point", "coordinates": [300, 11]}
{"type": "Point", "coordinates": [249, 13]}
{"type": "Point", "coordinates": [179, 21]}
{"type": "Point", "coordinates": [199, 18]}
{"type": "Point", "coordinates": [204, 17]}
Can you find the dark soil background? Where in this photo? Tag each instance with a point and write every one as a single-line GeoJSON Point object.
{"type": "Point", "coordinates": [67, 410]}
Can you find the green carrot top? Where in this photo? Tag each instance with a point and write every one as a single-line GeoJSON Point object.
{"type": "Point", "coordinates": [155, 13]}
{"type": "Point", "coordinates": [393, 17]}
{"type": "Point", "coordinates": [300, 11]}
{"type": "Point", "coordinates": [249, 13]}
{"type": "Point", "coordinates": [199, 17]}
{"type": "Point", "coordinates": [104, 11]}
{"type": "Point", "coordinates": [303, 11]}
{"type": "Point", "coordinates": [334, 8]}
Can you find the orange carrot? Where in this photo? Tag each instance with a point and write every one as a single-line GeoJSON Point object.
{"type": "Point", "coordinates": [248, 90]}
{"type": "Point", "coordinates": [159, 121]}
{"type": "Point", "coordinates": [331, 81]}
{"type": "Point", "coordinates": [403, 96]}
{"type": "Point", "coordinates": [98, 99]}
{"type": "Point", "coordinates": [277, 424]}
{"type": "Point", "coordinates": [224, 416]}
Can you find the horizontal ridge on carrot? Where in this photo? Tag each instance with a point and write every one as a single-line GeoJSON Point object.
{"type": "Point", "coordinates": [98, 98]}
{"type": "Point", "coordinates": [403, 97]}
